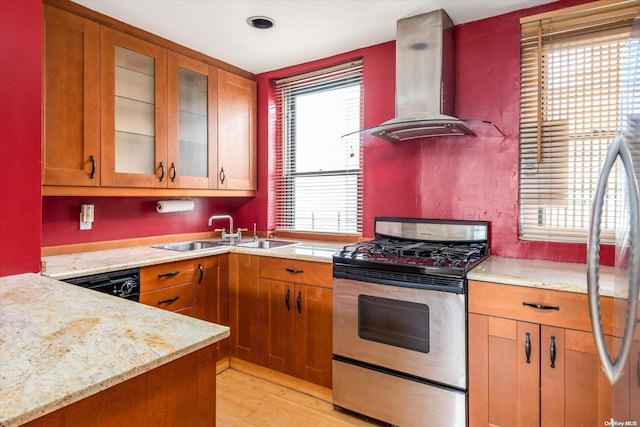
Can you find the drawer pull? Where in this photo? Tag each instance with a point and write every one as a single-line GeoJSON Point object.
{"type": "Point", "coordinates": [169, 274]}
{"type": "Point", "coordinates": [527, 347]}
{"type": "Point", "coordinates": [294, 270]}
{"type": "Point", "coordinates": [168, 300]}
{"type": "Point", "coordinates": [541, 306]}
{"type": "Point", "coordinates": [552, 352]}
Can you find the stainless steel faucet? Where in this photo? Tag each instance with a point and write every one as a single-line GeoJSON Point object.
{"type": "Point", "coordinates": [231, 236]}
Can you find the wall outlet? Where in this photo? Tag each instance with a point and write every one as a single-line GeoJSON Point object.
{"type": "Point", "coordinates": [86, 217]}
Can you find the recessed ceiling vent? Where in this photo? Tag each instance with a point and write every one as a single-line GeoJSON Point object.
{"type": "Point", "coordinates": [260, 22]}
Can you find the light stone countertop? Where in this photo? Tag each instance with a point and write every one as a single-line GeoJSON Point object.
{"type": "Point", "coordinates": [60, 343]}
{"type": "Point", "coordinates": [87, 263]}
{"type": "Point", "coordinates": [570, 277]}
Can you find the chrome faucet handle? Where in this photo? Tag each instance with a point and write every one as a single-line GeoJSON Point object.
{"type": "Point", "coordinates": [224, 234]}
{"type": "Point", "coordinates": [239, 232]}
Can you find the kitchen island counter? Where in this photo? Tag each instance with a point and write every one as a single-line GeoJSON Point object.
{"type": "Point", "coordinates": [60, 343]}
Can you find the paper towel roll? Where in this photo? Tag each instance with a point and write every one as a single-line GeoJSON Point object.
{"type": "Point", "coordinates": [165, 206]}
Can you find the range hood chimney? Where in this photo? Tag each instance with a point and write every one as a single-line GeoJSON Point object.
{"type": "Point", "coordinates": [425, 77]}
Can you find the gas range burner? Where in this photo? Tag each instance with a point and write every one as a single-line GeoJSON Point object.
{"type": "Point", "coordinates": [435, 254]}
{"type": "Point", "coordinates": [414, 253]}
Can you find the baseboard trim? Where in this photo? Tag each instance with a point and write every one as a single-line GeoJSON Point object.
{"type": "Point", "coordinates": [322, 393]}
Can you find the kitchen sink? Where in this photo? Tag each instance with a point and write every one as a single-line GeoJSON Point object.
{"type": "Point", "coordinates": [192, 246]}
{"type": "Point", "coordinates": [267, 243]}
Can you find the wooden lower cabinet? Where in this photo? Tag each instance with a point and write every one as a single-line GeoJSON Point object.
{"type": "Point", "coordinates": [523, 373]}
{"type": "Point", "coordinates": [195, 287]}
{"type": "Point", "coordinates": [211, 295]}
{"type": "Point", "coordinates": [244, 307]}
{"type": "Point", "coordinates": [295, 330]}
{"type": "Point", "coordinates": [281, 315]}
{"type": "Point", "coordinates": [169, 286]}
{"type": "Point", "coordinates": [179, 393]}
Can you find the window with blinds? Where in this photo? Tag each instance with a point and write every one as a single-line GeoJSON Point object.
{"type": "Point", "coordinates": [318, 182]}
{"type": "Point", "coordinates": [570, 112]}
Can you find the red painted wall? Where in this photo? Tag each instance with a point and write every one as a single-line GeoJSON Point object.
{"type": "Point", "coordinates": [443, 178]}
{"type": "Point", "coordinates": [448, 178]}
{"type": "Point", "coordinates": [124, 218]}
{"type": "Point", "coordinates": [20, 130]}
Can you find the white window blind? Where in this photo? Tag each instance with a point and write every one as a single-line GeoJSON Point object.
{"type": "Point", "coordinates": [318, 182]}
{"type": "Point", "coordinates": [570, 112]}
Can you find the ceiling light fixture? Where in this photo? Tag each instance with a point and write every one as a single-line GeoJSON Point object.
{"type": "Point", "coordinates": [260, 22]}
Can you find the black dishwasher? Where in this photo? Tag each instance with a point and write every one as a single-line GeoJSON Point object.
{"type": "Point", "coordinates": [122, 283]}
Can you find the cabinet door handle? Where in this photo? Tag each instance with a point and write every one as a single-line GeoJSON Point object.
{"type": "Point", "coordinates": [552, 352]}
{"type": "Point", "coordinates": [168, 300]}
{"type": "Point", "coordinates": [299, 302]}
{"type": "Point", "coordinates": [201, 273]}
{"type": "Point", "coordinates": [161, 171]}
{"type": "Point", "coordinates": [93, 166]}
{"type": "Point", "coordinates": [173, 172]}
{"type": "Point", "coordinates": [540, 306]}
{"type": "Point", "coordinates": [527, 347]}
{"type": "Point", "coordinates": [222, 176]}
{"type": "Point", "coordinates": [169, 274]}
{"type": "Point", "coordinates": [286, 299]}
{"type": "Point", "coordinates": [294, 270]}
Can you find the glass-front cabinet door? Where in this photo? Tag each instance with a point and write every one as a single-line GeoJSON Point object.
{"type": "Point", "coordinates": [192, 115]}
{"type": "Point", "coordinates": [134, 112]}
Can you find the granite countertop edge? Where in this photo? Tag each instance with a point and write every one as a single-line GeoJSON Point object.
{"type": "Point", "coordinates": [55, 352]}
{"type": "Point", "coordinates": [80, 264]}
{"type": "Point", "coordinates": [551, 275]}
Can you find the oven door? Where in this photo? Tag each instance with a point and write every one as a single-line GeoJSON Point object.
{"type": "Point", "coordinates": [413, 331]}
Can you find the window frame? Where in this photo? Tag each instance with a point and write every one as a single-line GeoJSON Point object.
{"type": "Point", "coordinates": [538, 32]}
{"type": "Point", "coordinates": [287, 93]}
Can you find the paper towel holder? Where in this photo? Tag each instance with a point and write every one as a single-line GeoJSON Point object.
{"type": "Point", "coordinates": [180, 205]}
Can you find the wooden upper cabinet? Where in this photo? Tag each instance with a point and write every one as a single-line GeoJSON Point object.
{"type": "Point", "coordinates": [236, 132]}
{"type": "Point", "coordinates": [128, 113]}
{"type": "Point", "coordinates": [192, 115]}
{"type": "Point", "coordinates": [134, 112]}
{"type": "Point", "coordinates": [71, 154]}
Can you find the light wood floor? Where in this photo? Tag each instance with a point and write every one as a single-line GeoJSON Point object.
{"type": "Point", "coordinates": [245, 400]}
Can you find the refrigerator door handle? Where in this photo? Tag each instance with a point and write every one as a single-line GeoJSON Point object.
{"type": "Point", "coordinates": [614, 369]}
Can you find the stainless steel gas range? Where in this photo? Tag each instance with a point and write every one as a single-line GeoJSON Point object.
{"type": "Point", "coordinates": [399, 321]}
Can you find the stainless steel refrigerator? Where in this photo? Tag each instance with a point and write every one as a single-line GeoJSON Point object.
{"type": "Point", "coordinates": [619, 352]}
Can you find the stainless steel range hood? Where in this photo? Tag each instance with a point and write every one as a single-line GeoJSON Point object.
{"type": "Point", "coordinates": [425, 77]}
